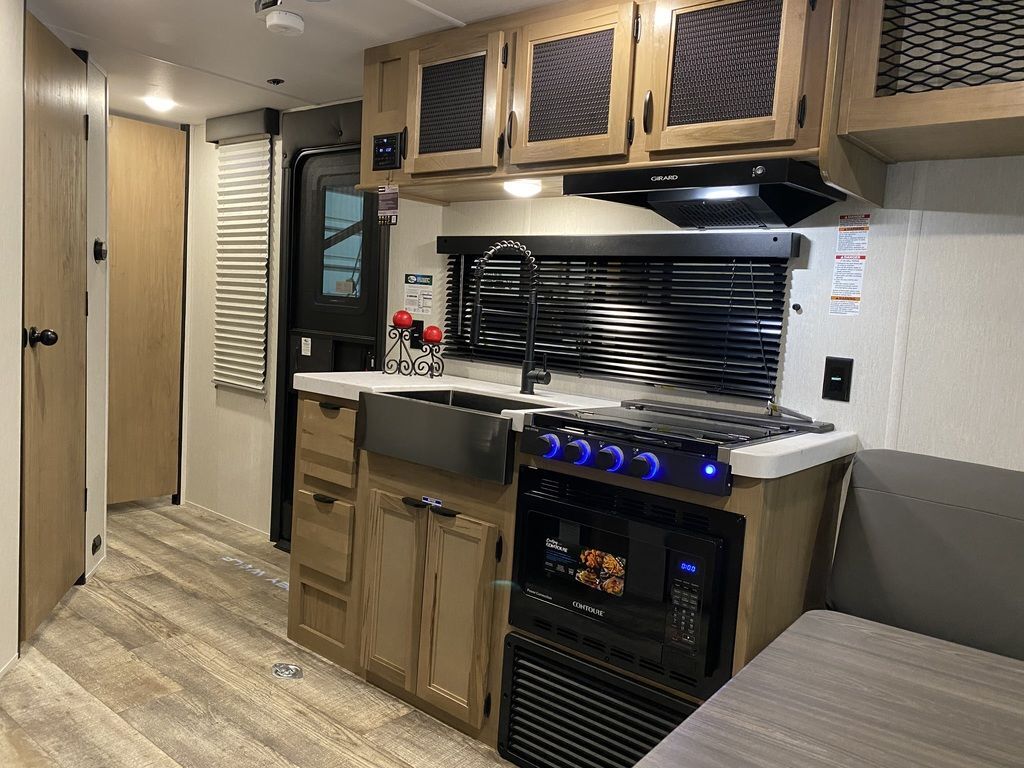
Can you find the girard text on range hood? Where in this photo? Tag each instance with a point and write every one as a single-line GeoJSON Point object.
{"type": "Point", "coordinates": [750, 194]}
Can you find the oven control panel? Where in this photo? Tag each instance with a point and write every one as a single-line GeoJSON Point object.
{"type": "Point", "coordinates": [683, 470]}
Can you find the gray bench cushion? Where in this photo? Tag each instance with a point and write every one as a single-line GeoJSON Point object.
{"type": "Point", "coordinates": [934, 546]}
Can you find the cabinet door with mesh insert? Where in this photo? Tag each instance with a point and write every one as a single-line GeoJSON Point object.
{"type": "Point", "coordinates": [725, 73]}
{"type": "Point", "coordinates": [453, 106]}
{"type": "Point", "coordinates": [573, 82]}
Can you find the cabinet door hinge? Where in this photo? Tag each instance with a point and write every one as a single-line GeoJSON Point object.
{"type": "Point", "coordinates": [504, 56]}
{"type": "Point", "coordinates": [487, 705]}
{"type": "Point", "coordinates": [801, 111]}
{"type": "Point", "coordinates": [813, 4]}
{"type": "Point", "coordinates": [85, 502]}
{"type": "Point", "coordinates": [86, 121]}
{"type": "Point", "coordinates": [637, 25]}
{"type": "Point", "coordinates": [630, 131]}
{"type": "Point", "coordinates": [499, 549]}
{"type": "Point", "coordinates": [86, 303]}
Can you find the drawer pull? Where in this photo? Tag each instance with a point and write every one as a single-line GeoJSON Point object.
{"type": "Point", "coordinates": [409, 501]}
{"type": "Point", "coordinates": [321, 498]}
{"type": "Point", "coordinates": [329, 407]}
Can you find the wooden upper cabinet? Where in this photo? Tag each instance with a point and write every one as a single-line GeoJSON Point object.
{"type": "Point", "coordinates": [454, 112]}
{"type": "Point", "coordinates": [943, 79]}
{"type": "Point", "coordinates": [458, 592]}
{"type": "Point", "coordinates": [393, 588]}
{"type": "Point", "coordinates": [724, 73]}
{"type": "Point", "coordinates": [572, 87]}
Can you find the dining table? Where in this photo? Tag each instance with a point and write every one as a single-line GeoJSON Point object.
{"type": "Point", "coordinates": [838, 691]}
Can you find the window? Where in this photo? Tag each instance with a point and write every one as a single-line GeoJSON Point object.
{"type": "Point", "coordinates": [343, 239]}
{"type": "Point", "coordinates": [699, 311]}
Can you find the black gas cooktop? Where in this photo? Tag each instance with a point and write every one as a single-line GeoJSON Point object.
{"type": "Point", "coordinates": [685, 446]}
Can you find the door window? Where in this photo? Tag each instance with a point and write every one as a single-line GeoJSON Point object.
{"type": "Point", "coordinates": [342, 263]}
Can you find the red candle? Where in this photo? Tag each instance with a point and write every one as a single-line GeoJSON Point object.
{"type": "Point", "coordinates": [432, 334]}
{"type": "Point", "coordinates": [402, 319]}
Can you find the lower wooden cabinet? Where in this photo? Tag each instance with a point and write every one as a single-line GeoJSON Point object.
{"type": "Point", "coordinates": [428, 595]}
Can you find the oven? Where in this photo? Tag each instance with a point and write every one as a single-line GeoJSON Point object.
{"type": "Point", "coordinates": [643, 583]}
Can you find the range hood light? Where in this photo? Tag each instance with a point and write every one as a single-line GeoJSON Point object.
{"type": "Point", "coordinates": [725, 193]}
{"type": "Point", "coordinates": [523, 187]}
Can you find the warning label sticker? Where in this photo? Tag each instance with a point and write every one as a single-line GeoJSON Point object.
{"type": "Point", "coordinates": [848, 269]}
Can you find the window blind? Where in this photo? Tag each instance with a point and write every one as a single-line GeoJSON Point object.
{"type": "Point", "coordinates": [244, 181]}
{"type": "Point", "coordinates": [672, 310]}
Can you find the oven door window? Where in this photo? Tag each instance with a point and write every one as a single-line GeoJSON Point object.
{"type": "Point", "coordinates": [596, 572]}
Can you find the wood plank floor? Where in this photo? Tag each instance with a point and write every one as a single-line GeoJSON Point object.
{"type": "Point", "coordinates": [163, 659]}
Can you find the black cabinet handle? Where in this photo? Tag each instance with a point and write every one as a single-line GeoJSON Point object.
{"type": "Point", "coordinates": [321, 498]}
{"type": "Point", "coordinates": [442, 511]}
{"type": "Point", "coordinates": [329, 407]}
{"type": "Point", "coordinates": [405, 142]}
{"type": "Point", "coordinates": [648, 112]}
{"type": "Point", "coordinates": [508, 129]}
{"type": "Point", "coordinates": [409, 501]}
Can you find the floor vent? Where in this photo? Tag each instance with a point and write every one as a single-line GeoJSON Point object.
{"type": "Point", "coordinates": [560, 712]}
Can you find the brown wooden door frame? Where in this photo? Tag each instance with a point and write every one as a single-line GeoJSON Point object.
{"type": "Point", "coordinates": [54, 368]}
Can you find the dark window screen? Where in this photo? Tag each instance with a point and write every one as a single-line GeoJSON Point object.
{"type": "Point", "coordinates": [932, 45]}
{"type": "Point", "coordinates": [452, 105]}
{"type": "Point", "coordinates": [724, 62]}
{"type": "Point", "coordinates": [711, 324]}
{"type": "Point", "coordinates": [571, 86]}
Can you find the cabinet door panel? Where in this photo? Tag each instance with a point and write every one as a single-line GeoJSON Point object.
{"type": "Point", "coordinates": [572, 87]}
{"type": "Point", "coordinates": [727, 72]}
{"type": "Point", "coordinates": [393, 588]}
{"type": "Point", "coordinates": [453, 112]}
{"type": "Point", "coordinates": [455, 636]}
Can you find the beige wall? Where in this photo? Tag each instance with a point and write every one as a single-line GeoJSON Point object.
{"type": "Point", "coordinates": [228, 435]}
{"type": "Point", "coordinates": [938, 345]}
{"type": "Point", "coordinates": [11, 109]}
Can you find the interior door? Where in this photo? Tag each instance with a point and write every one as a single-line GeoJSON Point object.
{"type": "Point", "coordinates": [147, 241]}
{"type": "Point", "coordinates": [54, 364]}
{"type": "Point", "coordinates": [573, 83]}
{"type": "Point", "coordinates": [726, 72]}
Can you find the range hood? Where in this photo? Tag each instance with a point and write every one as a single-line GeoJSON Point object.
{"type": "Point", "coordinates": [751, 194]}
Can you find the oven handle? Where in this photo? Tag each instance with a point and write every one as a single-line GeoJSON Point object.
{"type": "Point", "coordinates": [409, 501]}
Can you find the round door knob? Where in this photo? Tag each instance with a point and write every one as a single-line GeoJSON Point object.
{"type": "Point", "coordinates": [554, 446]}
{"type": "Point", "coordinates": [46, 337]}
{"type": "Point", "coordinates": [645, 466]}
{"type": "Point", "coordinates": [578, 452]}
{"type": "Point", "coordinates": [610, 458]}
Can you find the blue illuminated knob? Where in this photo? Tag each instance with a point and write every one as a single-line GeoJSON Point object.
{"type": "Point", "coordinates": [578, 452]}
{"type": "Point", "coordinates": [554, 446]}
{"type": "Point", "coordinates": [645, 466]}
{"type": "Point", "coordinates": [610, 458]}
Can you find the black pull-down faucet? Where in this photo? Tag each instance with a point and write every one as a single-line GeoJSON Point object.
{"type": "Point", "coordinates": [531, 374]}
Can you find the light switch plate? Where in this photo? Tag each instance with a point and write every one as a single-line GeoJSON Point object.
{"type": "Point", "coordinates": [838, 379]}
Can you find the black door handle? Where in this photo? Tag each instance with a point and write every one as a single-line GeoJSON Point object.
{"type": "Point", "coordinates": [409, 501]}
{"type": "Point", "coordinates": [46, 337]}
{"type": "Point", "coordinates": [442, 511]}
{"type": "Point", "coordinates": [648, 112]}
{"type": "Point", "coordinates": [330, 407]}
{"type": "Point", "coordinates": [321, 498]}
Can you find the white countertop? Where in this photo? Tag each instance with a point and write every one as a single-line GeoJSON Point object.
{"type": "Point", "coordinates": [763, 461]}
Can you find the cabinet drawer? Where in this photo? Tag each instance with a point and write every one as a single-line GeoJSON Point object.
{"type": "Point", "coordinates": [327, 448]}
{"type": "Point", "coordinates": [322, 533]}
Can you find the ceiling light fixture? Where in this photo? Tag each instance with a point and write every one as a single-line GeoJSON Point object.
{"type": "Point", "coordinates": [523, 187]}
{"type": "Point", "coordinates": [159, 103]}
{"type": "Point", "coordinates": [285, 23]}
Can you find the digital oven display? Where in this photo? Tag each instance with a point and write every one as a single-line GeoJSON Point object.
{"type": "Point", "coordinates": [594, 568]}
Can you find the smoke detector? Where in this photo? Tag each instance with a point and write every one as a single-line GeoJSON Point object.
{"type": "Point", "coordinates": [285, 23]}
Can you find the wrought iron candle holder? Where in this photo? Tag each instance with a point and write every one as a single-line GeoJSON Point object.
{"type": "Point", "coordinates": [401, 360]}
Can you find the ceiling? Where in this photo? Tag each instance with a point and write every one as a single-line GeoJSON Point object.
{"type": "Point", "coordinates": [214, 57]}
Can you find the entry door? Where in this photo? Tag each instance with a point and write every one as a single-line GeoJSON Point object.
{"type": "Point", "coordinates": [53, 440]}
{"type": "Point", "coordinates": [147, 241]}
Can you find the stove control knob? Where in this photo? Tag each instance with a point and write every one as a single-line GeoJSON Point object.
{"type": "Point", "coordinates": [610, 458]}
{"type": "Point", "coordinates": [645, 466]}
{"type": "Point", "coordinates": [578, 452]}
{"type": "Point", "coordinates": [554, 446]}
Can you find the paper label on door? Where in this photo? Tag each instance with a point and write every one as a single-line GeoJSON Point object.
{"type": "Point", "coordinates": [307, 346]}
{"type": "Point", "coordinates": [850, 260]}
{"type": "Point", "coordinates": [419, 294]}
{"type": "Point", "coordinates": [387, 204]}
